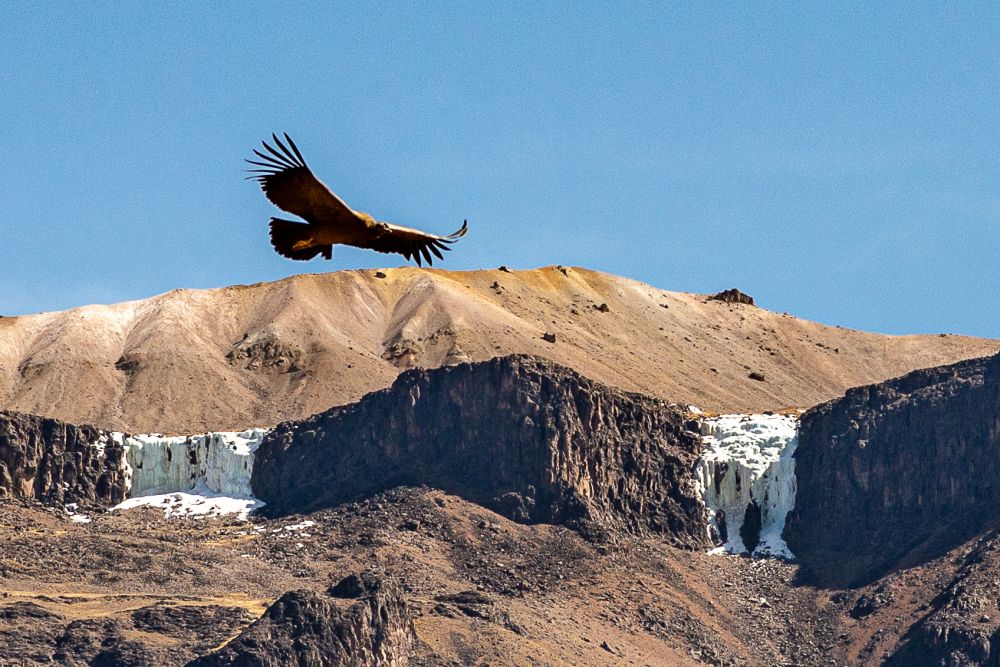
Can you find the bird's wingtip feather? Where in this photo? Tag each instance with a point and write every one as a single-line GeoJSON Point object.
{"type": "Point", "coordinates": [295, 148]}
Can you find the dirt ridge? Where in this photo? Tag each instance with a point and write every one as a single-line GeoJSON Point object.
{"type": "Point", "coordinates": [191, 361]}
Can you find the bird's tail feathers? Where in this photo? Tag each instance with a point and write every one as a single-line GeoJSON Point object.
{"type": "Point", "coordinates": [291, 239]}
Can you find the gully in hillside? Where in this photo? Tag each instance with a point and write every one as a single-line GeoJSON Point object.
{"type": "Point", "coordinates": [291, 186]}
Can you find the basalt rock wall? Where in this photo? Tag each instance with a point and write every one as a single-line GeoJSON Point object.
{"type": "Point", "coordinates": [897, 473]}
{"type": "Point", "coordinates": [52, 461]}
{"type": "Point", "coordinates": [526, 437]}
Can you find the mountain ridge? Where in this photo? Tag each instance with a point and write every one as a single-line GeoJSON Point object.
{"type": "Point", "coordinates": [254, 355]}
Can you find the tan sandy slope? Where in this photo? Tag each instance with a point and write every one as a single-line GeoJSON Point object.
{"type": "Point", "coordinates": [193, 360]}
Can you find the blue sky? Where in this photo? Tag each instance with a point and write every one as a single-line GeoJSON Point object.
{"type": "Point", "coordinates": [839, 163]}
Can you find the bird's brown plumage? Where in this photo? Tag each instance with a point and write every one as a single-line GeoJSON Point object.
{"type": "Point", "coordinates": [288, 182]}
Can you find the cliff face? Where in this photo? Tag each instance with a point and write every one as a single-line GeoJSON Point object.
{"type": "Point", "coordinates": [52, 461]}
{"type": "Point", "coordinates": [306, 628]}
{"type": "Point", "coordinates": [530, 439]}
{"type": "Point", "coordinates": [896, 473]}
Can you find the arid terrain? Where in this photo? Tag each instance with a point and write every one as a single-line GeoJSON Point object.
{"type": "Point", "coordinates": [170, 589]}
{"type": "Point", "coordinates": [511, 512]}
{"type": "Point", "coordinates": [223, 359]}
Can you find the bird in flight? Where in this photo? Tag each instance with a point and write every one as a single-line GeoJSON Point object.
{"type": "Point", "coordinates": [288, 182]}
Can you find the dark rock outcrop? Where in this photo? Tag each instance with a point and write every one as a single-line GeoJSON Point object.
{"type": "Point", "coordinates": [265, 352]}
{"type": "Point", "coordinates": [25, 610]}
{"type": "Point", "coordinates": [159, 635]}
{"type": "Point", "coordinates": [897, 473]}
{"type": "Point", "coordinates": [306, 628]}
{"type": "Point", "coordinates": [521, 435]}
{"type": "Point", "coordinates": [27, 633]}
{"type": "Point", "coordinates": [355, 586]}
{"type": "Point", "coordinates": [102, 642]}
{"type": "Point", "coordinates": [732, 296]}
{"type": "Point", "coordinates": [210, 624]}
{"type": "Point", "coordinates": [52, 461]}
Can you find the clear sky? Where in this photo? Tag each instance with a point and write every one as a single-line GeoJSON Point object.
{"type": "Point", "coordinates": [839, 163]}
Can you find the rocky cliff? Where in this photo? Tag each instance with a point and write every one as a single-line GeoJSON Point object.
{"type": "Point", "coordinates": [897, 473]}
{"type": "Point", "coordinates": [307, 628]}
{"type": "Point", "coordinates": [526, 437]}
{"type": "Point", "coordinates": [52, 461]}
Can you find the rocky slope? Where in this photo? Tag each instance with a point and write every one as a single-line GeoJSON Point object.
{"type": "Point", "coordinates": [216, 360]}
{"type": "Point", "coordinates": [961, 626]}
{"type": "Point", "coordinates": [306, 628]}
{"type": "Point", "coordinates": [896, 473]}
{"type": "Point", "coordinates": [56, 462]}
{"type": "Point", "coordinates": [134, 588]}
{"type": "Point", "coordinates": [479, 588]}
{"type": "Point", "coordinates": [520, 435]}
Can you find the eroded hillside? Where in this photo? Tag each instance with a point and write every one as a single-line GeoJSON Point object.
{"type": "Point", "coordinates": [190, 361]}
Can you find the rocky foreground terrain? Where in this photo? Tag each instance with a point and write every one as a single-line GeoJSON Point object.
{"type": "Point", "coordinates": [516, 511]}
{"type": "Point", "coordinates": [227, 359]}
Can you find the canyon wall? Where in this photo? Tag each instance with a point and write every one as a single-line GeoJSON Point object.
{"type": "Point", "coordinates": [59, 463]}
{"type": "Point", "coordinates": [52, 461]}
{"type": "Point", "coordinates": [898, 472]}
{"type": "Point", "coordinates": [526, 437]}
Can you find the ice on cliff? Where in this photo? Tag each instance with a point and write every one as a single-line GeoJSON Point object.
{"type": "Point", "coordinates": [748, 459]}
{"type": "Point", "coordinates": [191, 475]}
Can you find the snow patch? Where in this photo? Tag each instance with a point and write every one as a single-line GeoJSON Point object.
{"type": "Point", "coordinates": [72, 509]}
{"type": "Point", "coordinates": [747, 472]}
{"type": "Point", "coordinates": [298, 526]}
{"type": "Point", "coordinates": [200, 501]}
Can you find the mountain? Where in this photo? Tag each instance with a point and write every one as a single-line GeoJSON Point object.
{"type": "Point", "coordinates": [223, 359]}
{"type": "Point", "coordinates": [560, 505]}
{"type": "Point", "coordinates": [515, 512]}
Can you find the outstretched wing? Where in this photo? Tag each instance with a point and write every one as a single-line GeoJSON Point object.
{"type": "Point", "coordinates": [411, 243]}
{"type": "Point", "coordinates": [290, 185]}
